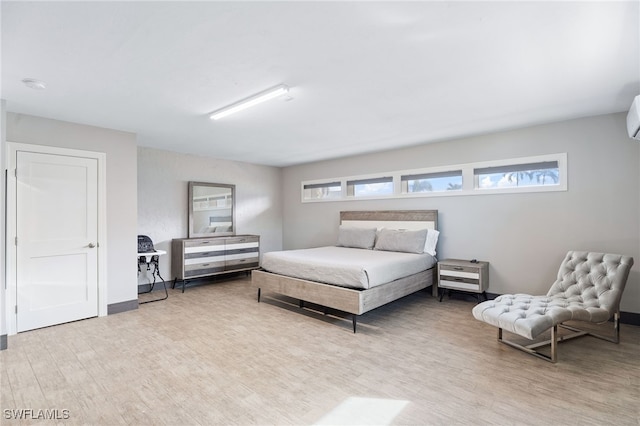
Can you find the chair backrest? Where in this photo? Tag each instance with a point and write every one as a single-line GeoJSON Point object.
{"type": "Point", "coordinates": [594, 279]}
{"type": "Point", "coordinates": [145, 245]}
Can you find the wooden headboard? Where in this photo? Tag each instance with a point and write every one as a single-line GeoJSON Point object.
{"type": "Point", "coordinates": [397, 219]}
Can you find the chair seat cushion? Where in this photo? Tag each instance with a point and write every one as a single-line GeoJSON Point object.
{"type": "Point", "coordinates": [528, 316]}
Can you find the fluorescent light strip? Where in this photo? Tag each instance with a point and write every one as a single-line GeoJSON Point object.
{"type": "Point", "coordinates": [249, 102]}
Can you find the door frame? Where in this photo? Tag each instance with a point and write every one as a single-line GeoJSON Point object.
{"type": "Point", "coordinates": [10, 247]}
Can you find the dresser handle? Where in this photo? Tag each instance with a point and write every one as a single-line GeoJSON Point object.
{"type": "Point", "coordinates": [458, 268]}
{"type": "Point", "coordinates": [205, 242]}
{"type": "Point", "coordinates": [205, 264]}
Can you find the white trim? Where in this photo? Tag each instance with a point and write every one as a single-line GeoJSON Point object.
{"type": "Point", "coordinates": [412, 225]}
{"type": "Point", "coordinates": [12, 150]}
{"type": "Point", "coordinates": [468, 180]}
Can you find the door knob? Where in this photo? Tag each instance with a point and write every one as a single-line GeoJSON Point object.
{"type": "Point", "coordinates": [91, 245]}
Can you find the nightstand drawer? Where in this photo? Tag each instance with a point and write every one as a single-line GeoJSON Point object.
{"type": "Point", "coordinates": [460, 284]}
{"type": "Point", "coordinates": [475, 275]}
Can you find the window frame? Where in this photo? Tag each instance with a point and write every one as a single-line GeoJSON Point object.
{"type": "Point", "coordinates": [322, 184]}
{"type": "Point", "coordinates": [561, 160]}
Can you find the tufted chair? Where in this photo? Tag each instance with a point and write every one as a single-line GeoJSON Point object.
{"type": "Point", "coordinates": [588, 288]}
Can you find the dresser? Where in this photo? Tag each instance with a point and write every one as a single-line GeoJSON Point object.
{"type": "Point", "coordinates": [202, 257]}
{"type": "Point", "coordinates": [463, 275]}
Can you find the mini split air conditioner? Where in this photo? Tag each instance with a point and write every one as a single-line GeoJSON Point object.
{"type": "Point", "coordinates": [633, 119]}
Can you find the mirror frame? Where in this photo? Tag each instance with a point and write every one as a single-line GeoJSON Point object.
{"type": "Point", "coordinates": [192, 231]}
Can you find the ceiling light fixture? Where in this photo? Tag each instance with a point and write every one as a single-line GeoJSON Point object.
{"type": "Point", "coordinates": [250, 101]}
{"type": "Point", "coordinates": [34, 84]}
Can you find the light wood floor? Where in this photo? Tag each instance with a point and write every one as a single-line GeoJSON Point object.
{"type": "Point", "coordinates": [213, 355]}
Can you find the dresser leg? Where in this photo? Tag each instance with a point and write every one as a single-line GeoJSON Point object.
{"type": "Point", "coordinates": [259, 295]}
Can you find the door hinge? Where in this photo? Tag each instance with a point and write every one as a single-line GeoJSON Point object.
{"type": "Point", "coordinates": [16, 240]}
{"type": "Point", "coordinates": [16, 309]}
{"type": "Point", "coordinates": [15, 172]}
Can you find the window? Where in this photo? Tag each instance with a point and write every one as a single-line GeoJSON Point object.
{"type": "Point", "coordinates": [543, 173]}
{"type": "Point", "coordinates": [322, 191]}
{"type": "Point", "coordinates": [370, 187]}
{"type": "Point", "coordinates": [432, 182]}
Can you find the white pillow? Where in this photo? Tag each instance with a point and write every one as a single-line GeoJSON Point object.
{"type": "Point", "coordinates": [431, 242]}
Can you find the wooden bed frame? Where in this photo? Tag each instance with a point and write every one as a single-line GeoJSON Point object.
{"type": "Point", "coordinates": [349, 300]}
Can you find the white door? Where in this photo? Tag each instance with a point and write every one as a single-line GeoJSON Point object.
{"type": "Point", "coordinates": [57, 234]}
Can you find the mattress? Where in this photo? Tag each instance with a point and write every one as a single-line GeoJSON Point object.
{"type": "Point", "coordinates": [346, 267]}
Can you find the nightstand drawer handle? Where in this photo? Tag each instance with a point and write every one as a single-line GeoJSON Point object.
{"type": "Point", "coordinates": [458, 268]}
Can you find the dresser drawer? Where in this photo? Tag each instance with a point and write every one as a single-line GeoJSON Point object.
{"type": "Point", "coordinates": [201, 250]}
{"type": "Point", "coordinates": [202, 243]}
{"type": "Point", "coordinates": [244, 263]}
{"type": "Point", "coordinates": [243, 239]}
{"type": "Point", "coordinates": [202, 269]}
{"type": "Point", "coordinates": [212, 257]}
{"type": "Point", "coordinates": [191, 257]}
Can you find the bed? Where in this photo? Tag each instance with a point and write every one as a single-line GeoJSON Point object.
{"type": "Point", "coordinates": [360, 287]}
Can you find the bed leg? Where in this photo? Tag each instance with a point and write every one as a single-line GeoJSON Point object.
{"type": "Point", "coordinates": [259, 295]}
{"type": "Point", "coordinates": [353, 319]}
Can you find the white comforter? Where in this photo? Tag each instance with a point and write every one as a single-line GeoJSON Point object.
{"type": "Point", "coordinates": [347, 267]}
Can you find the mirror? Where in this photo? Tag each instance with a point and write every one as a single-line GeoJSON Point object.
{"type": "Point", "coordinates": [212, 209]}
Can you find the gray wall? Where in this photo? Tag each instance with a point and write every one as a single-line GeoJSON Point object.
{"type": "Point", "coordinates": [120, 149]}
{"type": "Point", "coordinates": [162, 197]}
{"type": "Point", "coordinates": [524, 236]}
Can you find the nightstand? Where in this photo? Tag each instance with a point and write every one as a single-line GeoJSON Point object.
{"type": "Point", "coordinates": [463, 275]}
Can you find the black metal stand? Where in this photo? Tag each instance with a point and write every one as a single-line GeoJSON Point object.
{"type": "Point", "coordinates": [479, 296]}
{"type": "Point", "coordinates": [175, 280]}
{"type": "Point", "coordinates": [154, 273]}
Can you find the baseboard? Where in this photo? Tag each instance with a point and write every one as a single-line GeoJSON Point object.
{"type": "Point", "coordinates": [116, 308]}
{"type": "Point", "coordinates": [3, 342]}
{"type": "Point", "coordinates": [631, 318]}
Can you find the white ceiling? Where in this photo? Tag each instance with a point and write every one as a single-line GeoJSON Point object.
{"type": "Point", "coordinates": [364, 76]}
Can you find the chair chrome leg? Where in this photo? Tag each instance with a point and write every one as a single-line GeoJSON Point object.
{"type": "Point", "coordinates": [580, 332]}
{"type": "Point", "coordinates": [530, 348]}
{"type": "Point", "coordinates": [554, 344]}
